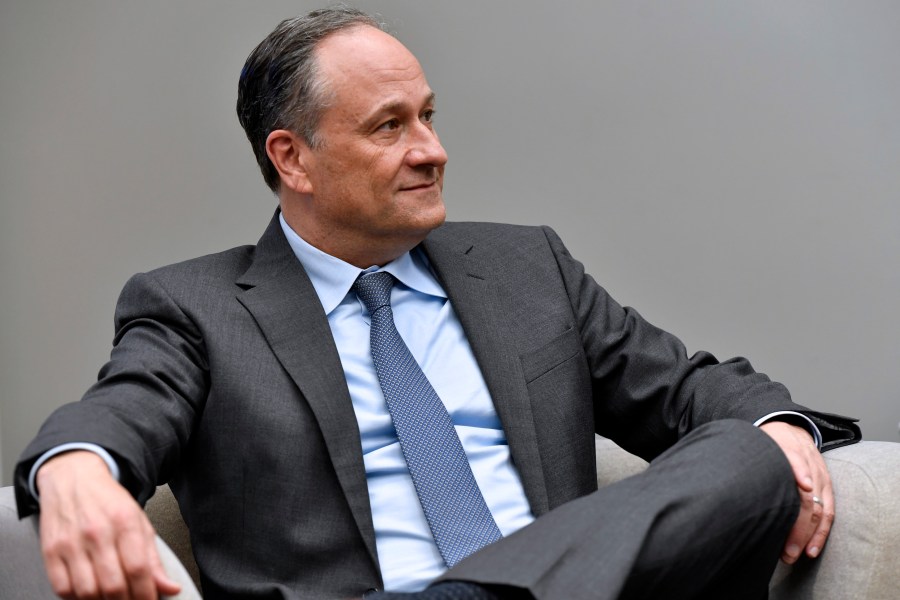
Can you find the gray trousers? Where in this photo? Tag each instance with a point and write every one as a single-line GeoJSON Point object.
{"type": "Point", "coordinates": [707, 519]}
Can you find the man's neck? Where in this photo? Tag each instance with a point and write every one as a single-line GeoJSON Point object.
{"type": "Point", "coordinates": [362, 253]}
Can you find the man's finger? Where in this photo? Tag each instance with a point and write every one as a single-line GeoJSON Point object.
{"type": "Point", "coordinates": [84, 580]}
{"type": "Point", "coordinates": [819, 537]}
{"type": "Point", "coordinates": [802, 472]}
{"type": "Point", "coordinates": [803, 529]}
{"type": "Point", "coordinates": [110, 577]}
{"type": "Point", "coordinates": [58, 574]}
{"type": "Point", "coordinates": [57, 550]}
{"type": "Point", "coordinates": [137, 549]}
{"type": "Point", "coordinates": [163, 583]}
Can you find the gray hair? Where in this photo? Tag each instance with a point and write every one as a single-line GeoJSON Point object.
{"type": "Point", "coordinates": [280, 87]}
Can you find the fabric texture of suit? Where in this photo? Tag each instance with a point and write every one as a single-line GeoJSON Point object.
{"type": "Point", "coordinates": [225, 381]}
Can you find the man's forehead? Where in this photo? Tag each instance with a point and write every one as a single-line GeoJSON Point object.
{"type": "Point", "coordinates": [358, 51]}
{"type": "Point", "coordinates": [369, 73]}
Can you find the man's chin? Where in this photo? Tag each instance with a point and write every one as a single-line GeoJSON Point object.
{"type": "Point", "coordinates": [440, 216]}
{"type": "Point", "coordinates": [426, 226]}
{"type": "Point", "coordinates": [419, 216]}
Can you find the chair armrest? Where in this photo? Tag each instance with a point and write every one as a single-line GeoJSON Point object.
{"type": "Point", "coordinates": [862, 556]}
{"type": "Point", "coordinates": [613, 463]}
{"type": "Point", "coordinates": [22, 574]}
{"type": "Point", "coordinates": [165, 516]}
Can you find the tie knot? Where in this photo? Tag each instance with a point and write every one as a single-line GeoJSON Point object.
{"type": "Point", "coordinates": [374, 289]}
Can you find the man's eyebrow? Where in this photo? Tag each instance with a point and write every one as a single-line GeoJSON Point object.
{"type": "Point", "coordinates": [394, 106]}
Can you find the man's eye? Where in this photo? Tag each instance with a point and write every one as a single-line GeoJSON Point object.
{"type": "Point", "coordinates": [428, 115]}
{"type": "Point", "coordinates": [389, 125]}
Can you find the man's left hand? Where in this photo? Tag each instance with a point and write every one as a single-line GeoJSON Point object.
{"type": "Point", "coordinates": [814, 484]}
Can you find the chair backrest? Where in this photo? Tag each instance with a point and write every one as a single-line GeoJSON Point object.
{"type": "Point", "coordinates": [164, 514]}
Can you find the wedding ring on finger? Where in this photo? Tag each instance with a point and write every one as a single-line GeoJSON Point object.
{"type": "Point", "coordinates": [818, 501]}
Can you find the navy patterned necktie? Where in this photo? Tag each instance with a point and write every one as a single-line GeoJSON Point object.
{"type": "Point", "coordinates": [454, 507]}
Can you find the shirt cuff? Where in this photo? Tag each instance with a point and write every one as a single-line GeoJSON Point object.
{"type": "Point", "coordinates": [106, 456]}
{"type": "Point", "coordinates": [810, 426]}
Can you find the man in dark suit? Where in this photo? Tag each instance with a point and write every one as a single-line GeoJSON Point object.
{"type": "Point", "coordinates": [238, 378]}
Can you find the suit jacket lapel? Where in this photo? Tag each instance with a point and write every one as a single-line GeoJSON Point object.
{"type": "Point", "coordinates": [284, 304]}
{"type": "Point", "coordinates": [473, 286]}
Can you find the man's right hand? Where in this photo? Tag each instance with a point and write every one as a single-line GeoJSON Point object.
{"type": "Point", "coordinates": [96, 540]}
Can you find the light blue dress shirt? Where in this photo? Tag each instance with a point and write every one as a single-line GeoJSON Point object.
{"type": "Point", "coordinates": [407, 554]}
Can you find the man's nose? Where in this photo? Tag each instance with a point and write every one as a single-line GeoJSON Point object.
{"type": "Point", "coordinates": [426, 148]}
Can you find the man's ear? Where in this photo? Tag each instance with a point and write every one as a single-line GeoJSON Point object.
{"type": "Point", "coordinates": [291, 157]}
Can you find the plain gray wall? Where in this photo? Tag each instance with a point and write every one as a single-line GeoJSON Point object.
{"type": "Point", "coordinates": [729, 168]}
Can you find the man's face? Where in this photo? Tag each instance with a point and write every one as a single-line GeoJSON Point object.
{"type": "Point", "coordinates": [377, 176]}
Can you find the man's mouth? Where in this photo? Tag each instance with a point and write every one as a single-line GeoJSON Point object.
{"type": "Point", "coordinates": [419, 186]}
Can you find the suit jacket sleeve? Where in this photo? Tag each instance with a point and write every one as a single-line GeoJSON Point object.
{"type": "Point", "coordinates": [143, 406]}
{"type": "Point", "coordinates": [648, 392]}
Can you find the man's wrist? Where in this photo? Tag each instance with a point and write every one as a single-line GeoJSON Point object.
{"type": "Point", "coordinates": [794, 418]}
{"type": "Point", "coordinates": [63, 448]}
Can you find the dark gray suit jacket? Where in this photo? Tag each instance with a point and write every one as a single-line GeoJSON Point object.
{"type": "Point", "coordinates": [224, 381]}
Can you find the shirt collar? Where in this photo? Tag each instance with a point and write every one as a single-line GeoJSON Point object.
{"type": "Point", "coordinates": [332, 278]}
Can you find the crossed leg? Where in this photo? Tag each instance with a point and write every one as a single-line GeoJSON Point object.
{"type": "Point", "coordinates": [707, 519]}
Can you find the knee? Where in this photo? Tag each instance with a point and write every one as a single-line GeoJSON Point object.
{"type": "Point", "coordinates": [758, 467]}
{"type": "Point", "coordinates": [738, 465]}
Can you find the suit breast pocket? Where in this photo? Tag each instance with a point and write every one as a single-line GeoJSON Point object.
{"type": "Point", "coordinates": [541, 361]}
{"type": "Point", "coordinates": [559, 394]}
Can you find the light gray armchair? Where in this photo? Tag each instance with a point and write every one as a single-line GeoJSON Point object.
{"type": "Point", "coordinates": [860, 561]}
